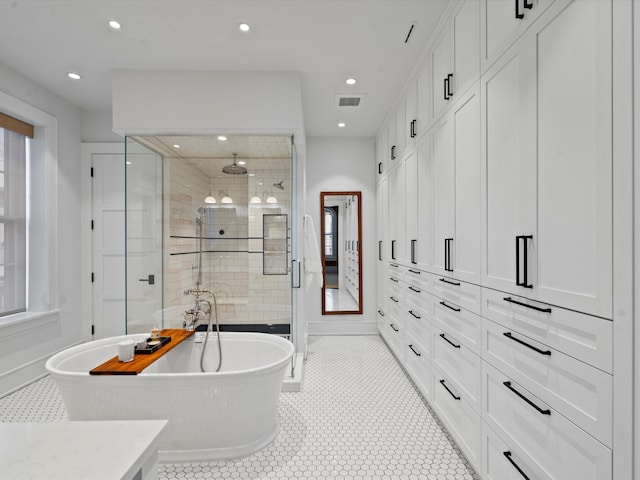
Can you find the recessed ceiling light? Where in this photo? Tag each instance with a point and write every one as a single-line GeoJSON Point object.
{"type": "Point", "coordinates": [176, 145]}
{"type": "Point", "coordinates": [240, 162]}
{"type": "Point", "coordinates": [115, 25]}
{"type": "Point", "coordinates": [342, 124]}
{"type": "Point", "coordinates": [222, 138]}
{"type": "Point", "coordinates": [73, 75]}
{"type": "Point", "coordinates": [351, 81]}
{"type": "Point", "coordinates": [244, 26]}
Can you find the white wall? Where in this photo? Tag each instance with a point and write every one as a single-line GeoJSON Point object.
{"type": "Point", "coordinates": [24, 347]}
{"type": "Point", "coordinates": [344, 164]}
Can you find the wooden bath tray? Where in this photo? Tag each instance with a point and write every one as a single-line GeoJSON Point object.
{"type": "Point", "coordinates": [142, 361]}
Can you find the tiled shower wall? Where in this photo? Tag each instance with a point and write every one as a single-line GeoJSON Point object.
{"type": "Point", "coordinates": [234, 271]}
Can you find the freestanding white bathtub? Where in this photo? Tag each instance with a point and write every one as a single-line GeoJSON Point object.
{"type": "Point", "coordinates": [212, 416]}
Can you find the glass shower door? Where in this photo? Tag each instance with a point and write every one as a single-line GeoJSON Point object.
{"type": "Point", "coordinates": [144, 237]}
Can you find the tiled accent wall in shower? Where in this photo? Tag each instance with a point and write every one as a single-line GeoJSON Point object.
{"type": "Point", "coordinates": [244, 293]}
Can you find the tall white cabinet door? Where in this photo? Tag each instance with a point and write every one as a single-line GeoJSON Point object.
{"type": "Point", "coordinates": [423, 247]}
{"type": "Point", "coordinates": [443, 188]}
{"type": "Point", "coordinates": [411, 115]}
{"type": "Point", "coordinates": [424, 93]}
{"type": "Point", "coordinates": [466, 256]}
{"type": "Point", "coordinates": [411, 207]}
{"type": "Point", "coordinates": [380, 229]}
{"type": "Point", "coordinates": [465, 33]}
{"type": "Point", "coordinates": [572, 42]}
{"type": "Point", "coordinates": [401, 247]}
{"type": "Point", "coordinates": [505, 130]}
{"type": "Point", "coordinates": [392, 216]}
{"type": "Point", "coordinates": [441, 73]}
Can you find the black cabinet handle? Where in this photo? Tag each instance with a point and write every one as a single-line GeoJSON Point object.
{"type": "Point", "coordinates": [413, 350]}
{"type": "Point", "coordinates": [447, 254]}
{"type": "Point", "coordinates": [533, 307]}
{"type": "Point", "coordinates": [443, 336]}
{"type": "Point", "coordinates": [380, 250]}
{"type": "Point", "coordinates": [510, 336]}
{"type": "Point", "coordinates": [540, 410]}
{"type": "Point", "coordinates": [449, 307]}
{"type": "Point", "coordinates": [394, 265]}
{"type": "Point", "coordinates": [417, 272]}
{"type": "Point", "coordinates": [519, 14]}
{"type": "Point", "coordinates": [447, 389]}
{"type": "Point", "coordinates": [457, 284]}
{"type": "Point", "coordinates": [528, 4]}
{"type": "Point", "coordinates": [412, 127]}
{"type": "Point", "coordinates": [380, 168]}
{"type": "Point", "coordinates": [393, 279]}
{"type": "Point", "coordinates": [446, 89]}
{"type": "Point", "coordinates": [381, 313]}
{"type": "Point", "coordinates": [515, 465]}
{"type": "Point", "coordinates": [393, 152]}
{"type": "Point", "coordinates": [393, 249]}
{"type": "Point", "coordinates": [525, 262]}
{"type": "Point", "coordinates": [413, 289]}
{"type": "Point", "coordinates": [413, 252]}
{"type": "Point", "coordinates": [393, 327]}
{"type": "Point", "coordinates": [394, 299]}
{"type": "Point", "coordinates": [414, 315]}
{"type": "Point", "coordinates": [449, 78]}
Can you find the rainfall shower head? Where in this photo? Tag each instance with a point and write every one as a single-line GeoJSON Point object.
{"type": "Point", "coordinates": [234, 169]}
{"type": "Point", "coordinates": [279, 185]}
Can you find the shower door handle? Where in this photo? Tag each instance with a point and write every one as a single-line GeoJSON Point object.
{"type": "Point", "coordinates": [150, 278]}
{"type": "Point", "coordinates": [295, 279]}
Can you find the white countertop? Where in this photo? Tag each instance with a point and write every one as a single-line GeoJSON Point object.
{"type": "Point", "coordinates": [77, 450]}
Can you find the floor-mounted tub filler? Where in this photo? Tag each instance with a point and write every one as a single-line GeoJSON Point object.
{"type": "Point", "coordinates": [212, 415]}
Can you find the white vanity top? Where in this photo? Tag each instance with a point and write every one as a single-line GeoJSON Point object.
{"type": "Point", "coordinates": [77, 450]}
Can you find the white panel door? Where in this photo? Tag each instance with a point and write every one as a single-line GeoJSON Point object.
{"type": "Point", "coordinates": [465, 28]}
{"type": "Point", "coordinates": [423, 247]}
{"type": "Point", "coordinates": [108, 252]}
{"type": "Point", "coordinates": [443, 188]}
{"type": "Point", "coordinates": [411, 207]}
{"type": "Point", "coordinates": [442, 87]}
{"type": "Point", "coordinates": [572, 42]}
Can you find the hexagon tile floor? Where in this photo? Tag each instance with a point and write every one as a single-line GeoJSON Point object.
{"type": "Point", "coordinates": [358, 417]}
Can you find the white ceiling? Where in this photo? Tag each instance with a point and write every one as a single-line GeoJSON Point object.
{"type": "Point", "coordinates": [326, 41]}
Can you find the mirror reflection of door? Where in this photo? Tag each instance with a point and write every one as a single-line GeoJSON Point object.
{"type": "Point", "coordinates": [341, 252]}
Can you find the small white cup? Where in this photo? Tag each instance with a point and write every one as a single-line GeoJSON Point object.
{"type": "Point", "coordinates": [126, 350]}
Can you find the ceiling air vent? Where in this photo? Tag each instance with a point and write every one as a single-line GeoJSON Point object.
{"type": "Point", "coordinates": [349, 99]}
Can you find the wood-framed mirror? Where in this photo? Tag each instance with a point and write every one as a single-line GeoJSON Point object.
{"type": "Point", "coordinates": [341, 251]}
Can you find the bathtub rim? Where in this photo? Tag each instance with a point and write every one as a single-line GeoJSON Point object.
{"type": "Point", "coordinates": [289, 349]}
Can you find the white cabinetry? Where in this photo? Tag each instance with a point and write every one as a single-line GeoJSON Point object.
{"type": "Point", "coordinates": [547, 154]}
{"type": "Point", "coordinates": [456, 191]}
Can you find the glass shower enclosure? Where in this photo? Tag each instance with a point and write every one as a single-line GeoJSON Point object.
{"type": "Point", "coordinates": [190, 222]}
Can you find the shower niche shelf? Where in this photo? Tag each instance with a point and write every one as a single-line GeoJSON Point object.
{"type": "Point", "coordinates": [275, 255]}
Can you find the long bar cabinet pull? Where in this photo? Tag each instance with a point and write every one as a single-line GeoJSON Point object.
{"type": "Point", "coordinates": [449, 79]}
{"type": "Point", "coordinates": [380, 250]}
{"type": "Point", "coordinates": [519, 14]}
{"type": "Point", "coordinates": [446, 89]}
{"type": "Point", "coordinates": [539, 309]}
{"type": "Point", "coordinates": [380, 168]}
{"type": "Point", "coordinates": [510, 336]}
{"type": "Point", "coordinates": [414, 315]}
{"type": "Point", "coordinates": [540, 410]}
{"type": "Point", "coordinates": [524, 283]}
{"type": "Point", "coordinates": [393, 279]}
{"type": "Point", "coordinates": [413, 350]}
{"type": "Point", "coordinates": [393, 327]}
{"type": "Point", "coordinates": [414, 289]}
{"type": "Point", "coordinates": [381, 313]}
{"type": "Point", "coordinates": [413, 252]}
{"type": "Point", "coordinates": [457, 284]}
{"type": "Point", "coordinates": [515, 465]}
{"type": "Point", "coordinates": [444, 304]}
{"type": "Point", "coordinates": [394, 299]}
{"type": "Point", "coordinates": [393, 152]}
{"type": "Point", "coordinates": [444, 337]}
{"type": "Point", "coordinates": [417, 272]}
{"type": "Point", "coordinates": [456, 397]}
{"type": "Point", "coordinates": [393, 249]}
{"type": "Point", "coordinates": [447, 254]}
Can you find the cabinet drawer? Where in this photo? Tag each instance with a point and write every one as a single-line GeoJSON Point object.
{"type": "Point", "coordinates": [418, 325]}
{"type": "Point", "coordinates": [550, 440]}
{"type": "Point", "coordinates": [464, 325]}
{"type": "Point", "coordinates": [578, 391]}
{"type": "Point", "coordinates": [462, 422]}
{"type": "Point", "coordinates": [466, 295]}
{"type": "Point", "coordinates": [587, 338]}
{"type": "Point", "coordinates": [395, 270]}
{"type": "Point", "coordinates": [394, 335]}
{"type": "Point", "coordinates": [419, 366]}
{"type": "Point", "coordinates": [395, 308]}
{"type": "Point", "coordinates": [505, 461]}
{"type": "Point", "coordinates": [462, 367]}
{"type": "Point", "coordinates": [417, 278]}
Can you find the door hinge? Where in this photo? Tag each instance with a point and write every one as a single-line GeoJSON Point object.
{"type": "Point", "coordinates": [93, 329]}
{"type": "Point", "coordinates": [93, 277]}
